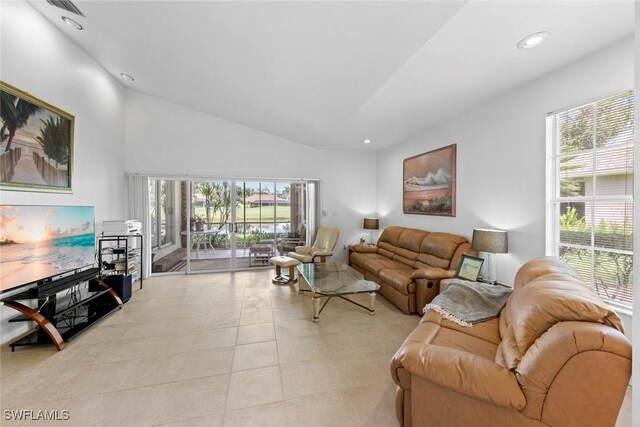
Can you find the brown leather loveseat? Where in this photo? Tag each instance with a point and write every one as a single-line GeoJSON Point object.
{"type": "Point", "coordinates": [408, 264]}
{"type": "Point", "coordinates": [556, 356]}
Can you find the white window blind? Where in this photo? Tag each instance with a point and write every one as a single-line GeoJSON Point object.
{"type": "Point", "coordinates": [590, 199]}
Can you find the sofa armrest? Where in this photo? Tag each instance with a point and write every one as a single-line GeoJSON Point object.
{"type": "Point", "coordinates": [369, 249]}
{"type": "Point", "coordinates": [460, 371]}
{"type": "Point", "coordinates": [433, 273]}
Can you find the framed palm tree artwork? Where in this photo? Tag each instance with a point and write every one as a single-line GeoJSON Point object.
{"type": "Point", "coordinates": [36, 143]}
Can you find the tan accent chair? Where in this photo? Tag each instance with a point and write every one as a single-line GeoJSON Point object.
{"type": "Point", "coordinates": [556, 356]}
{"type": "Point", "coordinates": [408, 264]}
{"type": "Point", "coordinates": [326, 239]}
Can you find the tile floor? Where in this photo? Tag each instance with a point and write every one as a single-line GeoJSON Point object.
{"type": "Point", "coordinates": [219, 350]}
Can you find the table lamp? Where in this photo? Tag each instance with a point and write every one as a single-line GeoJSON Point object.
{"type": "Point", "coordinates": [371, 224]}
{"type": "Point", "coordinates": [491, 242]}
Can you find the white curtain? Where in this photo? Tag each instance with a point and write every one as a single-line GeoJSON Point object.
{"type": "Point", "coordinates": [313, 209]}
{"type": "Point", "coordinates": [139, 210]}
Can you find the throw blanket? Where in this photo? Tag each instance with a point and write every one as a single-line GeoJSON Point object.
{"type": "Point", "coordinates": [466, 303]}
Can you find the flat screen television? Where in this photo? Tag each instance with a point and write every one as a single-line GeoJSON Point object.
{"type": "Point", "coordinates": [38, 243]}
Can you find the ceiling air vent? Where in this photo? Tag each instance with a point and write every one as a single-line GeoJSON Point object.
{"type": "Point", "coordinates": [66, 5]}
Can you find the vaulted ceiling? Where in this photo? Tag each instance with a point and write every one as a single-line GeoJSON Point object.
{"type": "Point", "coordinates": [331, 74]}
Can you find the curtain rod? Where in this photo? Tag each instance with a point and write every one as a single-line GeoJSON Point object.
{"type": "Point", "coordinates": [216, 178]}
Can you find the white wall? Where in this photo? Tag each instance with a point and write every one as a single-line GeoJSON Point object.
{"type": "Point", "coordinates": [636, 239]}
{"type": "Point", "coordinates": [501, 156]}
{"type": "Point", "coordinates": [165, 138]}
{"type": "Point", "coordinates": [39, 59]}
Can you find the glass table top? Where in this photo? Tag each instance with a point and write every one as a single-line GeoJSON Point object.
{"type": "Point", "coordinates": [334, 278]}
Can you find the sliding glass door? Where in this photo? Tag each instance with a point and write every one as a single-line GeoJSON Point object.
{"type": "Point", "coordinates": [168, 253]}
{"type": "Point", "coordinates": [211, 226]}
{"type": "Point", "coordinates": [203, 225]}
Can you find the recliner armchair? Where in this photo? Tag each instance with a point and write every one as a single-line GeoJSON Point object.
{"type": "Point", "coordinates": [326, 239]}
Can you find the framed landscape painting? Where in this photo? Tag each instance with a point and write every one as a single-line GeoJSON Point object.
{"type": "Point", "coordinates": [36, 143]}
{"type": "Point", "coordinates": [429, 183]}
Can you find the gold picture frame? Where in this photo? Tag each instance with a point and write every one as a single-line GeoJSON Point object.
{"type": "Point", "coordinates": [36, 143]}
{"type": "Point", "coordinates": [469, 268]}
{"type": "Point", "coordinates": [429, 183]}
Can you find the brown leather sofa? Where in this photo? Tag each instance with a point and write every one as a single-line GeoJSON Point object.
{"type": "Point", "coordinates": [408, 264]}
{"type": "Point", "coordinates": [556, 356]}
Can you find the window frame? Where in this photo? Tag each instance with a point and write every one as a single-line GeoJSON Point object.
{"type": "Point", "coordinates": [554, 198]}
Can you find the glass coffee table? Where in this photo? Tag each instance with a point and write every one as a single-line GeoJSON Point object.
{"type": "Point", "coordinates": [334, 279]}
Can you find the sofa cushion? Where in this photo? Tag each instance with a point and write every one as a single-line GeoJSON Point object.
{"type": "Point", "coordinates": [441, 245]}
{"type": "Point", "coordinates": [391, 235]}
{"type": "Point", "coordinates": [375, 265]}
{"type": "Point", "coordinates": [411, 239]}
{"type": "Point", "coordinates": [399, 279]}
{"type": "Point", "coordinates": [487, 331]}
{"type": "Point", "coordinates": [428, 260]}
{"type": "Point", "coordinates": [460, 341]}
{"type": "Point", "coordinates": [542, 266]}
{"type": "Point", "coordinates": [359, 259]}
{"type": "Point", "coordinates": [551, 299]}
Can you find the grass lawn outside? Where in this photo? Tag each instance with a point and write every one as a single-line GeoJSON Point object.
{"type": "Point", "coordinates": [257, 214]}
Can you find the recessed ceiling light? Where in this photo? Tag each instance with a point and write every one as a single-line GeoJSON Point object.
{"type": "Point", "coordinates": [126, 76]}
{"type": "Point", "coordinates": [73, 24]}
{"type": "Point", "coordinates": [533, 40]}
{"type": "Point", "coordinates": [367, 141]}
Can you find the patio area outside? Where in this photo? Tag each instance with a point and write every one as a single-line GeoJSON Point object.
{"type": "Point", "coordinates": [268, 220]}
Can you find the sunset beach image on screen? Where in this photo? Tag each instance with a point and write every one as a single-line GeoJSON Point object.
{"type": "Point", "coordinates": [38, 242]}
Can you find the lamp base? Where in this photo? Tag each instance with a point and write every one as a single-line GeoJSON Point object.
{"type": "Point", "coordinates": [489, 269]}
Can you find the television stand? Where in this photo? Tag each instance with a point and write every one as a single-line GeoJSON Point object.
{"type": "Point", "coordinates": [73, 304]}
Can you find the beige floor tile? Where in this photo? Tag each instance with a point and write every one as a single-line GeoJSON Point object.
{"type": "Point", "coordinates": [187, 310]}
{"type": "Point", "coordinates": [338, 366]}
{"type": "Point", "coordinates": [169, 344]}
{"type": "Point", "coordinates": [253, 317]}
{"type": "Point", "coordinates": [256, 333]}
{"type": "Point", "coordinates": [98, 379]}
{"type": "Point", "coordinates": [23, 361]}
{"type": "Point", "coordinates": [204, 363]}
{"type": "Point", "coordinates": [272, 415]}
{"type": "Point", "coordinates": [126, 349]}
{"type": "Point", "coordinates": [263, 303]}
{"type": "Point", "coordinates": [75, 353]}
{"type": "Point", "coordinates": [299, 349]}
{"type": "Point", "coordinates": [253, 388]}
{"type": "Point", "coordinates": [624, 417]}
{"type": "Point", "coordinates": [253, 356]}
{"type": "Point", "coordinates": [81, 411]}
{"type": "Point", "coordinates": [155, 370]}
{"type": "Point", "coordinates": [208, 421]}
{"type": "Point", "coordinates": [296, 328]}
{"type": "Point", "coordinates": [307, 378]}
{"type": "Point", "coordinates": [321, 410]}
{"type": "Point", "coordinates": [135, 407]}
{"type": "Point", "coordinates": [234, 295]}
{"type": "Point", "coordinates": [362, 371]}
{"type": "Point", "coordinates": [217, 320]}
{"type": "Point", "coordinates": [33, 389]}
{"type": "Point", "coordinates": [370, 405]}
{"type": "Point", "coordinates": [214, 338]}
{"type": "Point", "coordinates": [102, 334]}
{"type": "Point", "coordinates": [226, 307]}
{"type": "Point", "coordinates": [196, 398]}
{"type": "Point", "coordinates": [299, 311]}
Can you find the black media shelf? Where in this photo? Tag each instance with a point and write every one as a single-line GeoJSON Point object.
{"type": "Point", "coordinates": [67, 308]}
{"type": "Point", "coordinates": [67, 333]}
